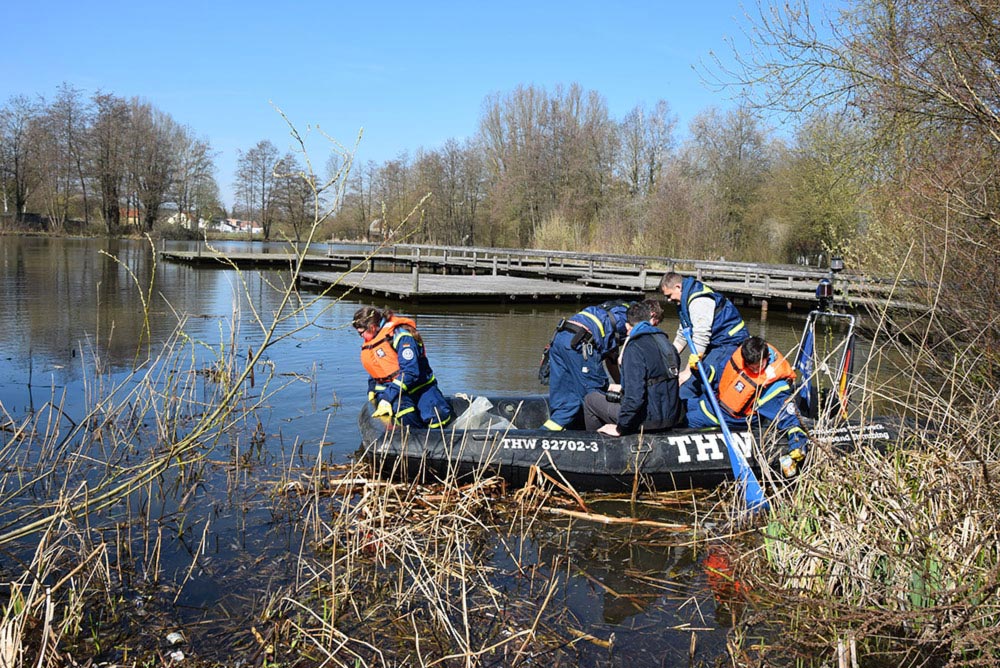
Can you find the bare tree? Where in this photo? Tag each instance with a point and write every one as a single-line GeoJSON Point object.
{"type": "Point", "coordinates": [108, 143]}
{"type": "Point", "coordinates": [730, 154]}
{"type": "Point", "coordinates": [647, 138]}
{"type": "Point", "coordinates": [19, 159]}
{"type": "Point", "coordinates": [391, 192]}
{"type": "Point", "coordinates": [255, 183]}
{"type": "Point", "coordinates": [512, 130]}
{"type": "Point", "coordinates": [548, 155]}
{"type": "Point", "coordinates": [154, 138]}
{"type": "Point", "coordinates": [294, 196]}
{"type": "Point", "coordinates": [193, 188]}
{"type": "Point", "coordinates": [922, 79]}
{"type": "Point", "coordinates": [61, 152]}
{"type": "Point", "coordinates": [362, 198]}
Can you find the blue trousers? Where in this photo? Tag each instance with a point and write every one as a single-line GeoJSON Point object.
{"type": "Point", "coordinates": [571, 377]}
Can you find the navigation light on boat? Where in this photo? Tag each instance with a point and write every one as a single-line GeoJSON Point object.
{"type": "Point", "coordinates": [824, 291]}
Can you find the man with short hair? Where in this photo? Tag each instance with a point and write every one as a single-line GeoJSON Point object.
{"type": "Point", "coordinates": [649, 393]}
{"type": "Point", "coordinates": [716, 325]}
{"type": "Point", "coordinates": [756, 386]}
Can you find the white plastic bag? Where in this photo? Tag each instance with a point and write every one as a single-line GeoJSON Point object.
{"type": "Point", "coordinates": [478, 416]}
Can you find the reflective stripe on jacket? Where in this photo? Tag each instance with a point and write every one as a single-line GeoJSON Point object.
{"type": "Point", "coordinates": [606, 324]}
{"type": "Point", "coordinates": [727, 325]}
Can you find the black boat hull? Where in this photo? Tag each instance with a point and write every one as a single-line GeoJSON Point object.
{"type": "Point", "coordinates": [507, 440]}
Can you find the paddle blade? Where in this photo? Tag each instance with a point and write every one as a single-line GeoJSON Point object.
{"type": "Point", "coordinates": [752, 492]}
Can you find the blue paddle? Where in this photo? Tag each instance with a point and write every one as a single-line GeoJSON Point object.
{"type": "Point", "coordinates": [752, 491]}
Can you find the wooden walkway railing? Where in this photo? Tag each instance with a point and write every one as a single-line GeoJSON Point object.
{"type": "Point", "coordinates": [748, 280]}
{"type": "Point", "coordinates": [779, 285]}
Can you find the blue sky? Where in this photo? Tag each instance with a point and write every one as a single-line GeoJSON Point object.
{"type": "Point", "coordinates": [409, 74]}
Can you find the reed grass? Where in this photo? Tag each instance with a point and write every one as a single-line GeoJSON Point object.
{"type": "Point", "coordinates": [96, 493]}
{"type": "Point", "coordinates": [397, 570]}
{"type": "Point", "coordinates": [894, 556]}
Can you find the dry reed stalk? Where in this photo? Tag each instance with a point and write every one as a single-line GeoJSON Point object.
{"type": "Point", "coordinates": [413, 570]}
{"type": "Point", "coordinates": [143, 435]}
{"type": "Point", "coordinates": [897, 551]}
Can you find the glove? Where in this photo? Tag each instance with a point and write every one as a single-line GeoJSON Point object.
{"type": "Point", "coordinates": [797, 443]}
{"type": "Point", "coordinates": [371, 398]}
{"type": "Point", "coordinates": [693, 360]}
{"type": "Point", "coordinates": [383, 408]}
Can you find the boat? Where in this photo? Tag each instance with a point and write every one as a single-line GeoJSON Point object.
{"type": "Point", "coordinates": [503, 435]}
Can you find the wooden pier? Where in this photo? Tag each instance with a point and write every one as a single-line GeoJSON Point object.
{"type": "Point", "coordinates": [279, 260]}
{"type": "Point", "coordinates": [416, 287]}
{"type": "Point", "coordinates": [424, 272]}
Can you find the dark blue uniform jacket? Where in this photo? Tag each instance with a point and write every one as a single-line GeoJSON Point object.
{"type": "Point", "coordinates": [649, 381]}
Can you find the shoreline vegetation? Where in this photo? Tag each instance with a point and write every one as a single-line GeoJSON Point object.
{"type": "Point", "coordinates": [873, 559]}
{"type": "Point", "coordinates": [889, 557]}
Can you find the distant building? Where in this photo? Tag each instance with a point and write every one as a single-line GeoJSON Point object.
{"type": "Point", "coordinates": [236, 226]}
{"type": "Point", "coordinates": [181, 219]}
{"type": "Point", "coordinates": [130, 216]}
{"type": "Point", "coordinates": [224, 225]}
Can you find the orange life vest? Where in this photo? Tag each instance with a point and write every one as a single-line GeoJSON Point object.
{"type": "Point", "coordinates": [738, 387]}
{"type": "Point", "coordinates": [378, 356]}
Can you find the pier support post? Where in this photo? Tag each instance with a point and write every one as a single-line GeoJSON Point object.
{"type": "Point", "coordinates": [494, 265]}
{"type": "Point", "coordinates": [642, 279]}
{"type": "Point", "coordinates": [763, 310]}
{"type": "Point", "coordinates": [416, 277]}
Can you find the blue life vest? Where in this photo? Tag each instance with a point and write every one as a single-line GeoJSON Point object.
{"type": "Point", "coordinates": [728, 328]}
{"type": "Point", "coordinates": [606, 324]}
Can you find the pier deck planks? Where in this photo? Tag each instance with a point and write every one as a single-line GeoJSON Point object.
{"type": "Point", "coordinates": [445, 287]}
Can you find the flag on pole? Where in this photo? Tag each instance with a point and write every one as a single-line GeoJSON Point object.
{"type": "Point", "coordinates": [805, 367]}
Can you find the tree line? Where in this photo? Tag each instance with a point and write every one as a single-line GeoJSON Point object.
{"type": "Point", "coordinates": [889, 135]}
{"type": "Point", "coordinates": [546, 169]}
{"type": "Point", "coordinates": [103, 160]}
{"type": "Point", "coordinates": [553, 169]}
{"type": "Point", "coordinates": [918, 86]}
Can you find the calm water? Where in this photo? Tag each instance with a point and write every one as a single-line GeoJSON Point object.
{"type": "Point", "coordinates": [67, 301]}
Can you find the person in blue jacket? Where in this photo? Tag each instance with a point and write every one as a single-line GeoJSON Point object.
{"type": "Point", "coordinates": [401, 383]}
{"type": "Point", "coordinates": [717, 328]}
{"type": "Point", "coordinates": [648, 398]}
{"type": "Point", "coordinates": [579, 349]}
{"type": "Point", "coordinates": [756, 388]}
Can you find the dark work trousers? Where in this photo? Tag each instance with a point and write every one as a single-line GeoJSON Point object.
{"type": "Point", "coordinates": [598, 411]}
